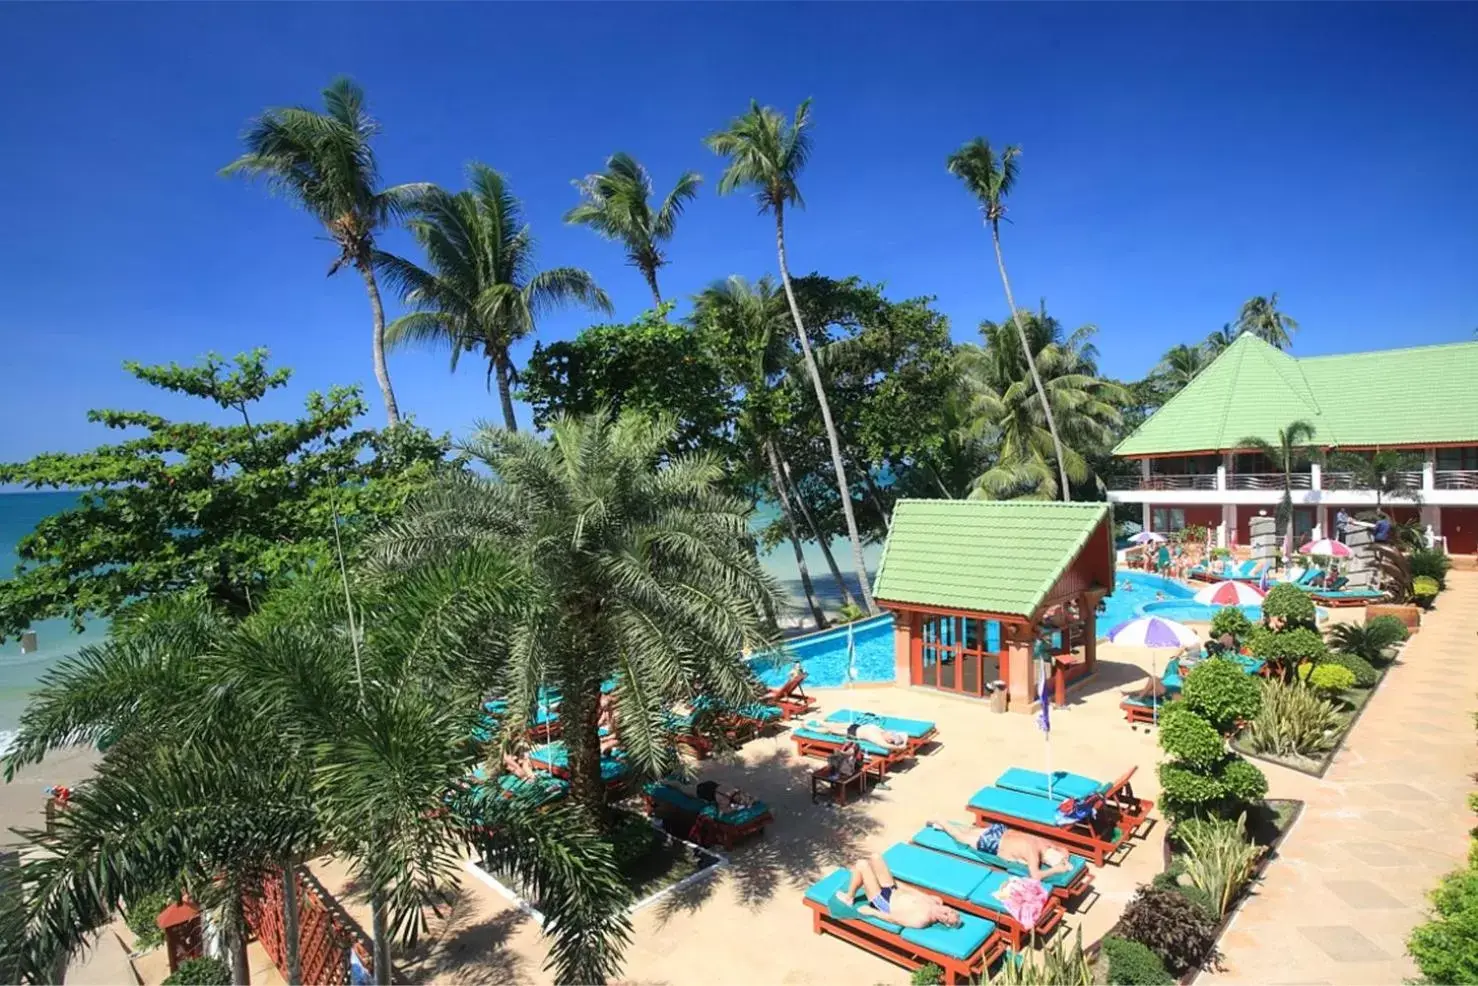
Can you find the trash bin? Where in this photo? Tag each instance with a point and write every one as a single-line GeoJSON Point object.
{"type": "Point", "coordinates": [998, 696]}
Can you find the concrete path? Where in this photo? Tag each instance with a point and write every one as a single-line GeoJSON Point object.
{"type": "Point", "coordinates": [1385, 823]}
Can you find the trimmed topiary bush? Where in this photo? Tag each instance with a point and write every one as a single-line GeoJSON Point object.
{"type": "Point", "coordinates": [1364, 673]}
{"type": "Point", "coordinates": [1131, 963]}
{"type": "Point", "coordinates": [1331, 680]}
{"type": "Point", "coordinates": [1242, 782]}
{"type": "Point", "coordinates": [1424, 589]}
{"type": "Point", "coordinates": [1232, 620]}
{"type": "Point", "coordinates": [200, 972]}
{"type": "Point", "coordinates": [1446, 947]}
{"type": "Point", "coordinates": [1172, 927]}
{"type": "Point", "coordinates": [1290, 648]}
{"type": "Point", "coordinates": [1220, 692]}
{"type": "Point", "coordinates": [141, 916]}
{"type": "Point", "coordinates": [1188, 738]}
{"type": "Point", "coordinates": [1290, 604]}
{"type": "Point", "coordinates": [1225, 790]}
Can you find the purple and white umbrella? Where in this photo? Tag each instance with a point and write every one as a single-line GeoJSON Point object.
{"type": "Point", "coordinates": [1147, 537]}
{"type": "Point", "coordinates": [1156, 634]}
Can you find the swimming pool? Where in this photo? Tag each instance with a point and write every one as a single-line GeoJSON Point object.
{"type": "Point", "coordinates": [824, 655]}
{"type": "Point", "coordinates": [1139, 599]}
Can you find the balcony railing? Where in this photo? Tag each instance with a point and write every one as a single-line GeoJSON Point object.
{"type": "Point", "coordinates": [1456, 479]}
{"type": "Point", "coordinates": [1268, 481]}
{"type": "Point", "coordinates": [1173, 482]}
{"type": "Point", "coordinates": [1408, 479]}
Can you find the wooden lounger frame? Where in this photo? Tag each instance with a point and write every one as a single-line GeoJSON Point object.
{"type": "Point", "coordinates": [887, 945]}
{"type": "Point", "coordinates": [1067, 894]}
{"type": "Point", "coordinates": [809, 746]}
{"type": "Point", "coordinates": [706, 830]}
{"type": "Point", "coordinates": [1124, 810]}
{"type": "Point", "coordinates": [1051, 917]}
{"type": "Point", "coordinates": [792, 699]}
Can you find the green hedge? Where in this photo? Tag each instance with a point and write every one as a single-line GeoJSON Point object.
{"type": "Point", "coordinates": [1133, 964]}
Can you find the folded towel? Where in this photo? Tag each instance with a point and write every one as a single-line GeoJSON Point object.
{"type": "Point", "coordinates": [1024, 898]}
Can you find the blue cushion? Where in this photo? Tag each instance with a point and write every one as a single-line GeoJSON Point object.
{"type": "Point", "coordinates": [943, 842]}
{"type": "Point", "coordinates": [815, 734]}
{"type": "Point", "coordinates": [696, 806]}
{"type": "Point", "coordinates": [557, 755]}
{"type": "Point", "coordinates": [912, 728]}
{"type": "Point", "coordinates": [541, 790]}
{"type": "Point", "coordinates": [1146, 703]}
{"type": "Point", "coordinates": [1014, 804]}
{"type": "Point", "coordinates": [1064, 784]}
{"type": "Point", "coordinates": [545, 717]}
{"type": "Point", "coordinates": [946, 875]}
{"type": "Point", "coordinates": [496, 706]}
{"type": "Point", "coordinates": [961, 942]}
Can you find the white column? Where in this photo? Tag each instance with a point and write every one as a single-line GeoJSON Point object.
{"type": "Point", "coordinates": [1429, 469]}
{"type": "Point", "coordinates": [1144, 468]}
{"type": "Point", "coordinates": [1225, 471]}
{"type": "Point", "coordinates": [1221, 476]}
{"type": "Point", "coordinates": [1229, 521]}
{"type": "Point", "coordinates": [1316, 476]}
{"type": "Point", "coordinates": [1146, 517]}
{"type": "Point", "coordinates": [1321, 517]}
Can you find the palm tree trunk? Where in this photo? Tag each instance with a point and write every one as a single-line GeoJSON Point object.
{"type": "Point", "coordinates": [234, 934]}
{"type": "Point", "coordinates": [783, 495]}
{"type": "Point", "coordinates": [823, 542]}
{"type": "Point", "coordinates": [876, 495]}
{"type": "Point", "coordinates": [380, 933]}
{"type": "Point", "coordinates": [1031, 364]}
{"type": "Point", "coordinates": [582, 743]}
{"type": "Point", "coordinates": [651, 276]}
{"type": "Point", "coordinates": [858, 561]}
{"type": "Point", "coordinates": [382, 369]}
{"type": "Point", "coordinates": [290, 929]}
{"type": "Point", "coordinates": [505, 389]}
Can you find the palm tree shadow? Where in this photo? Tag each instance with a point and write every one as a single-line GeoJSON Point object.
{"type": "Point", "coordinates": [467, 945]}
{"type": "Point", "coordinates": [805, 841]}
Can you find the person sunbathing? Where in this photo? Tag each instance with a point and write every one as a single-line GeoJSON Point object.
{"type": "Point", "coordinates": [888, 901]}
{"type": "Point", "coordinates": [867, 732]}
{"type": "Point", "coordinates": [606, 719]}
{"type": "Point", "coordinates": [725, 799]}
{"type": "Point", "coordinates": [1153, 688]}
{"type": "Point", "coordinates": [1041, 858]}
{"type": "Point", "coordinates": [520, 766]}
{"type": "Point", "coordinates": [797, 675]}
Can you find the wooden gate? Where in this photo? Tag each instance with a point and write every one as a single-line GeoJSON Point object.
{"type": "Point", "coordinates": [326, 934]}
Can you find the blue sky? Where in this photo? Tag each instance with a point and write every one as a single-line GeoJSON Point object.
{"type": "Point", "coordinates": [1177, 159]}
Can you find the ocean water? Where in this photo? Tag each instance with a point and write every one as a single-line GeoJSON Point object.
{"type": "Point", "coordinates": [21, 512]}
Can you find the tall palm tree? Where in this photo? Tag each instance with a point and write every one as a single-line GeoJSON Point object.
{"type": "Point", "coordinates": [1381, 472]}
{"type": "Point", "coordinates": [637, 567]}
{"type": "Point", "coordinates": [1004, 409]}
{"type": "Point", "coordinates": [616, 203]}
{"type": "Point", "coordinates": [766, 153]}
{"type": "Point", "coordinates": [1179, 366]}
{"type": "Point", "coordinates": [1291, 450]}
{"type": "Point", "coordinates": [325, 162]}
{"type": "Point", "coordinates": [480, 289]}
{"type": "Point", "coordinates": [1261, 317]}
{"type": "Point", "coordinates": [990, 179]}
{"type": "Point", "coordinates": [1220, 339]}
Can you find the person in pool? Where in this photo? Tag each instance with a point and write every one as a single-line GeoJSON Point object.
{"type": "Point", "coordinates": [867, 732]}
{"type": "Point", "coordinates": [887, 901]}
{"type": "Point", "coordinates": [1041, 858]}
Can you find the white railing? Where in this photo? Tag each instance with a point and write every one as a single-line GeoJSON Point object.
{"type": "Point", "coordinates": [1455, 479]}
{"type": "Point", "coordinates": [1407, 479]}
{"type": "Point", "coordinates": [1268, 481]}
{"type": "Point", "coordinates": [1172, 482]}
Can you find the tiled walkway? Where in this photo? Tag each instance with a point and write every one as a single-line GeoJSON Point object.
{"type": "Point", "coordinates": [1387, 820]}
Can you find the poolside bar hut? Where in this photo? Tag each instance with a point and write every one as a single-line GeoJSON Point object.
{"type": "Point", "coordinates": [973, 584]}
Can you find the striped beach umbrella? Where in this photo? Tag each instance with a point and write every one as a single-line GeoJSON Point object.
{"type": "Point", "coordinates": [1230, 594]}
{"type": "Point", "coordinates": [1152, 631]}
{"type": "Point", "coordinates": [1327, 547]}
{"type": "Point", "coordinates": [1147, 537]}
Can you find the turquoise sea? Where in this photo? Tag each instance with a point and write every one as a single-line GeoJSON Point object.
{"type": "Point", "coordinates": [20, 512]}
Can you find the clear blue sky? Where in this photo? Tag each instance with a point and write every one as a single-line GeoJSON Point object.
{"type": "Point", "coordinates": [1177, 159]}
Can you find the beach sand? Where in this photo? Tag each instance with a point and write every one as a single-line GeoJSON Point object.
{"type": "Point", "coordinates": [23, 800]}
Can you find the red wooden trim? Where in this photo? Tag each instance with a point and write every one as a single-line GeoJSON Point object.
{"type": "Point", "coordinates": [980, 614]}
{"type": "Point", "coordinates": [894, 948]}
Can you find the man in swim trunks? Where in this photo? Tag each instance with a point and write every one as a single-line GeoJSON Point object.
{"type": "Point", "coordinates": [888, 901]}
{"type": "Point", "coordinates": [867, 732]}
{"type": "Point", "coordinates": [1041, 858]}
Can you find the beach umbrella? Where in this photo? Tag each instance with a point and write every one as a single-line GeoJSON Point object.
{"type": "Point", "coordinates": [1328, 547]}
{"type": "Point", "coordinates": [1147, 537]}
{"type": "Point", "coordinates": [1156, 634]}
{"type": "Point", "coordinates": [1044, 716]}
{"type": "Point", "coordinates": [1229, 594]}
{"type": "Point", "coordinates": [851, 669]}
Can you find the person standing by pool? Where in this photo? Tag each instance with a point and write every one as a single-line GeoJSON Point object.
{"type": "Point", "coordinates": [1341, 525]}
{"type": "Point", "coordinates": [1162, 559]}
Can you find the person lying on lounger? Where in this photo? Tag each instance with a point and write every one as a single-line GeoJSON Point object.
{"type": "Point", "coordinates": [1041, 858]}
{"type": "Point", "coordinates": [867, 732]}
{"type": "Point", "coordinates": [889, 902]}
{"type": "Point", "coordinates": [607, 720]}
{"type": "Point", "coordinates": [520, 766]}
{"type": "Point", "coordinates": [1153, 688]}
{"type": "Point", "coordinates": [725, 799]}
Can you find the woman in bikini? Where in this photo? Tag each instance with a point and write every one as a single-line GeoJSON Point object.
{"type": "Point", "coordinates": [1041, 858]}
{"type": "Point", "coordinates": [889, 902]}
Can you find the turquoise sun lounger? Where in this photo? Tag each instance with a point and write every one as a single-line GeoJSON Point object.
{"type": "Point", "coordinates": [1064, 785]}
{"type": "Point", "coordinates": [666, 793]}
{"type": "Point", "coordinates": [967, 886]}
{"type": "Point", "coordinates": [871, 749]}
{"type": "Point", "coordinates": [1063, 883]}
{"type": "Point", "coordinates": [912, 728]}
{"type": "Point", "coordinates": [612, 766]}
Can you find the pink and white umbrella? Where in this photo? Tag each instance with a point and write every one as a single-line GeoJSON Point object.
{"type": "Point", "coordinates": [1230, 594]}
{"type": "Point", "coordinates": [1147, 537]}
{"type": "Point", "coordinates": [1328, 547]}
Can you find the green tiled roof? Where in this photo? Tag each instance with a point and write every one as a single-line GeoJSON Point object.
{"type": "Point", "coordinates": [1413, 396]}
{"type": "Point", "coordinates": [993, 556]}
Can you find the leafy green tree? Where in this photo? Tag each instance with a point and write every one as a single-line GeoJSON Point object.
{"type": "Point", "coordinates": [766, 152]}
{"type": "Point", "coordinates": [1383, 471]}
{"type": "Point", "coordinates": [1005, 409]}
{"type": "Point", "coordinates": [218, 510]}
{"type": "Point", "coordinates": [1220, 339]}
{"type": "Point", "coordinates": [325, 163]}
{"type": "Point", "coordinates": [1261, 317]}
{"type": "Point", "coordinates": [616, 203]}
{"type": "Point", "coordinates": [480, 289]}
{"type": "Point", "coordinates": [990, 179]}
{"type": "Point", "coordinates": [637, 567]}
{"type": "Point", "coordinates": [1291, 450]}
{"type": "Point", "coordinates": [1179, 366]}
{"type": "Point", "coordinates": [648, 365]}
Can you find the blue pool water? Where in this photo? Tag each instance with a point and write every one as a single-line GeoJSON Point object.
{"type": "Point", "coordinates": [1139, 599]}
{"type": "Point", "coordinates": [824, 655]}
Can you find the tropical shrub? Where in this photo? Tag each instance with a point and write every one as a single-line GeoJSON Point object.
{"type": "Point", "coordinates": [850, 613]}
{"type": "Point", "coordinates": [1290, 648]}
{"type": "Point", "coordinates": [1170, 880]}
{"type": "Point", "coordinates": [1131, 963]}
{"type": "Point", "coordinates": [1293, 721]}
{"type": "Point", "coordinates": [928, 974]}
{"type": "Point", "coordinates": [1430, 562]}
{"type": "Point", "coordinates": [200, 972]}
{"type": "Point", "coordinates": [1172, 927]}
{"type": "Point", "coordinates": [1329, 680]}
{"type": "Point", "coordinates": [1193, 534]}
{"type": "Point", "coordinates": [1188, 738]}
{"type": "Point", "coordinates": [1220, 692]}
{"type": "Point", "coordinates": [632, 841]}
{"type": "Point", "coordinates": [1232, 620]}
{"type": "Point", "coordinates": [1241, 783]}
{"type": "Point", "coordinates": [1290, 604]}
{"type": "Point", "coordinates": [1373, 640]}
{"type": "Point", "coordinates": [1219, 858]}
{"type": "Point", "coordinates": [1446, 947]}
{"type": "Point", "coordinates": [1055, 965]}
{"type": "Point", "coordinates": [1225, 789]}
{"type": "Point", "coordinates": [1364, 673]}
{"type": "Point", "coordinates": [141, 916]}
{"type": "Point", "coordinates": [1424, 589]}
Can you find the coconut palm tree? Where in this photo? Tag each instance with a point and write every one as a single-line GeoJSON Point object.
{"type": "Point", "coordinates": [636, 567]}
{"type": "Point", "coordinates": [1261, 317]}
{"type": "Point", "coordinates": [325, 163]}
{"type": "Point", "coordinates": [1179, 366]}
{"type": "Point", "coordinates": [1291, 450]}
{"type": "Point", "coordinates": [766, 153]}
{"type": "Point", "coordinates": [480, 289]}
{"type": "Point", "coordinates": [1220, 339]}
{"type": "Point", "coordinates": [1383, 471]}
{"type": "Point", "coordinates": [1003, 406]}
{"type": "Point", "coordinates": [616, 203]}
{"type": "Point", "coordinates": [990, 179]}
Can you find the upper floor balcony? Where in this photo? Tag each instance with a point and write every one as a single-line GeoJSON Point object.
{"type": "Point", "coordinates": [1200, 479]}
